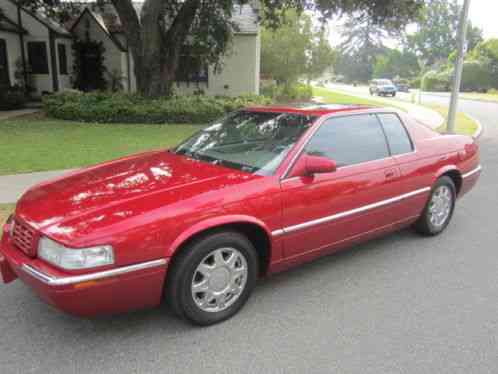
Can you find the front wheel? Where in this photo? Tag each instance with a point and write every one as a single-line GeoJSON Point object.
{"type": "Point", "coordinates": [439, 209]}
{"type": "Point", "coordinates": [212, 278]}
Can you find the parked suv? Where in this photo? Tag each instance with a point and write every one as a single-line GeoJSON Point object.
{"type": "Point", "coordinates": [382, 87]}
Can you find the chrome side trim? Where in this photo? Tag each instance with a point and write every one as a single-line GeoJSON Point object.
{"type": "Point", "coordinates": [347, 213]}
{"type": "Point", "coordinates": [64, 281]}
{"type": "Point", "coordinates": [472, 172]}
{"type": "Point", "coordinates": [277, 232]}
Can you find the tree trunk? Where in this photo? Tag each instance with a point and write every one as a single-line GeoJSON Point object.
{"type": "Point", "coordinates": [156, 52]}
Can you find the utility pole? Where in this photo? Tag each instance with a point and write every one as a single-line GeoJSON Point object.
{"type": "Point", "coordinates": [457, 79]}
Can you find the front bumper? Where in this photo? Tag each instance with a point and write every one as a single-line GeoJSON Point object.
{"type": "Point", "coordinates": [106, 292]}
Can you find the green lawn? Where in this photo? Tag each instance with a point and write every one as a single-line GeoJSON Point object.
{"type": "Point", "coordinates": [333, 97]}
{"type": "Point", "coordinates": [464, 124]}
{"type": "Point", "coordinates": [35, 143]}
{"type": "Point", "coordinates": [481, 96]}
{"type": "Point", "coordinates": [5, 211]}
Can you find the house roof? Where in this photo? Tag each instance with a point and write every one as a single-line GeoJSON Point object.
{"type": "Point", "coordinates": [41, 17]}
{"type": "Point", "coordinates": [99, 19]}
{"type": "Point", "coordinates": [6, 24]}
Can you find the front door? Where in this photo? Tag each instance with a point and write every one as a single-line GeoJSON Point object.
{"type": "Point", "coordinates": [4, 64]}
{"type": "Point", "coordinates": [324, 211]}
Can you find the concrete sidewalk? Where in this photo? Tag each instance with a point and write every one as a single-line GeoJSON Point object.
{"type": "Point", "coordinates": [423, 114]}
{"type": "Point", "coordinates": [9, 114]}
{"type": "Point", "coordinates": [13, 186]}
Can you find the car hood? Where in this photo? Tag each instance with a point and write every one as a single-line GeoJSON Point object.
{"type": "Point", "coordinates": [149, 180]}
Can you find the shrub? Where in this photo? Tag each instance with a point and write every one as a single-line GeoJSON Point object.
{"type": "Point", "coordinates": [476, 76]}
{"type": "Point", "coordinates": [416, 82]}
{"type": "Point", "coordinates": [436, 81]}
{"type": "Point", "coordinates": [11, 98]}
{"type": "Point", "coordinates": [129, 108]}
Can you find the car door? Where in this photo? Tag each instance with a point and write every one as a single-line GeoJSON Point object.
{"type": "Point", "coordinates": [325, 210]}
{"type": "Point", "coordinates": [413, 186]}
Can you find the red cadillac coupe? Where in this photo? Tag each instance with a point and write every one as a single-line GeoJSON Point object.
{"type": "Point", "coordinates": [254, 193]}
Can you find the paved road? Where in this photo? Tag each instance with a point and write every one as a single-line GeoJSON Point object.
{"type": "Point", "coordinates": [401, 304]}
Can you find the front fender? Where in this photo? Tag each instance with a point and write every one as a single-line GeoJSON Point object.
{"type": "Point", "coordinates": [212, 223]}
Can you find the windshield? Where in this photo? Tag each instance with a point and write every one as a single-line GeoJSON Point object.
{"type": "Point", "coordinates": [385, 82]}
{"type": "Point", "coordinates": [255, 142]}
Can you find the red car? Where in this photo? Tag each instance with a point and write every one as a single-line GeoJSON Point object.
{"type": "Point", "coordinates": [257, 192]}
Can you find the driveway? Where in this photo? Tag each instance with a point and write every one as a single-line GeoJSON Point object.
{"type": "Point", "coordinates": [401, 304]}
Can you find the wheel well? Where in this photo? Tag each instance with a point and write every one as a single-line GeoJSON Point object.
{"type": "Point", "coordinates": [456, 177]}
{"type": "Point", "coordinates": [256, 235]}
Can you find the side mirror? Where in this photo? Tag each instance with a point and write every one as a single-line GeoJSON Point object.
{"type": "Point", "coordinates": [308, 165]}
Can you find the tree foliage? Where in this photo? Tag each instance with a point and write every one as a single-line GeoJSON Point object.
{"type": "Point", "coordinates": [158, 36]}
{"type": "Point", "coordinates": [394, 63]}
{"type": "Point", "coordinates": [295, 49]}
{"type": "Point", "coordinates": [437, 29]}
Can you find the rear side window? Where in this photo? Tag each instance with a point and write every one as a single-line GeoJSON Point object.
{"type": "Point", "coordinates": [350, 140]}
{"type": "Point", "coordinates": [397, 136]}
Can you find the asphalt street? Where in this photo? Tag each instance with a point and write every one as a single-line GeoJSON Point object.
{"type": "Point", "coordinates": [400, 304]}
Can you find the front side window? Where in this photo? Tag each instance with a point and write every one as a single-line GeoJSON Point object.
{"type": "Point", "coordinates": [37, 55]}
{"type": "Point", "coordinates": [399, 141]}
{"type": "Point", "coordinates": [256, 142]}
{"type": "Point", "coordinates": [349, 140]}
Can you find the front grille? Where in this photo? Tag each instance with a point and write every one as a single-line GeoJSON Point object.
{"type": "Point", "coordinates": [24, 238]}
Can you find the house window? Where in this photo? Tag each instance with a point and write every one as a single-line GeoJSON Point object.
{"type": "Point", "coordinates": [37, 55]}
{"type": "Point", "coordinates": [191, 70]}
{"type": "Point", "coordinates": [61, 51]}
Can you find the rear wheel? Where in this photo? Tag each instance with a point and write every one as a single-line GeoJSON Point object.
{"type": "Point", "coordinates": [212, 278]}
{"type": "Point", "coordinates": [439, 209]}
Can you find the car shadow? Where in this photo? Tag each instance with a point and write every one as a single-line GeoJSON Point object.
{"type": "Point", "coordinates": [161, 321]}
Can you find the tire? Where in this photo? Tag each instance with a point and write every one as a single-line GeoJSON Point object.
{"type": "Point", "coordinates": [427, 224]}
{"type": "Point", "coordinates": [371, 93]}
{"type": "Point", "coordinates": [394, 94]}
{"type": "Point", "coordinates": [206, 273]}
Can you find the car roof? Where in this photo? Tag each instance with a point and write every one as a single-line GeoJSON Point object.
{"type": "Point", "coordinates": [316, 110]}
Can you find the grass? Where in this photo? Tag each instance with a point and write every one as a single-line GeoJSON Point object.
{"type": "Point", "coordinates": [464, 124]}
{"type": "Point", "coordinates": [35, 143]}
{"type": "Point", "coordinates": [334, 97]}
{"type": "Point", "coordinates": [492, 97]}
{"type": "Point", "coordinates": [5, 211]}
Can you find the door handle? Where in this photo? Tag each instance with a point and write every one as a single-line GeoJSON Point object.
{"type": "Point", "coordinates": [390, 174]}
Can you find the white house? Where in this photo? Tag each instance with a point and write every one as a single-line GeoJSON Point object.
{"type": "Point", "coordinates": [41, 50]}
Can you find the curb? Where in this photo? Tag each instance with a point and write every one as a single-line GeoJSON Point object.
{"type": "Point", "coordinates": [480, 127]}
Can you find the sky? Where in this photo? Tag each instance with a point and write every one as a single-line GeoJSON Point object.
{"type": "Point", "coordinates": [483, 13]}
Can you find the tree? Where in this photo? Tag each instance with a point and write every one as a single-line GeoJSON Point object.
{"type": "Point", "coordinates": [437, 28]}
{"type": "Point", "coordinates": [362, 43]}
{"type": "Point", "coordinates": [307, 52]}
{"type": "Point", "coordinates": [487, 53]}
{"type": "Point", "coordinates": [284, 50]}
{"type": "Point", "coordinates": [394, 63]}
{"type": "Point", "coordinates": [322, 57]}
{"type": "Point", "coordinates": [165, 28]}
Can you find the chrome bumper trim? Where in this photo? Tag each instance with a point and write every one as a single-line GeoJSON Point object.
{"type": "Point", "coordinates": [64, 281]}
{"type": "Point", "coordinates": [472, 172]}
{"type": "Point", "coordinates": [347, 213]}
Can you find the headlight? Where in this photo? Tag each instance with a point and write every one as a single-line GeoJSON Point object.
{"type": "Point", "coordinates": [74, 259]}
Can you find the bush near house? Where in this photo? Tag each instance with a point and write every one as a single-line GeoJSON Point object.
{"type": "Point", "coordinates": [128, 108]}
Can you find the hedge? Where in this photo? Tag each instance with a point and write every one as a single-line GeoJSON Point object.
{"type": "Point", "coordinates": [107, 107]}
{"type": "Point", "coordinates": [436, 81]}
